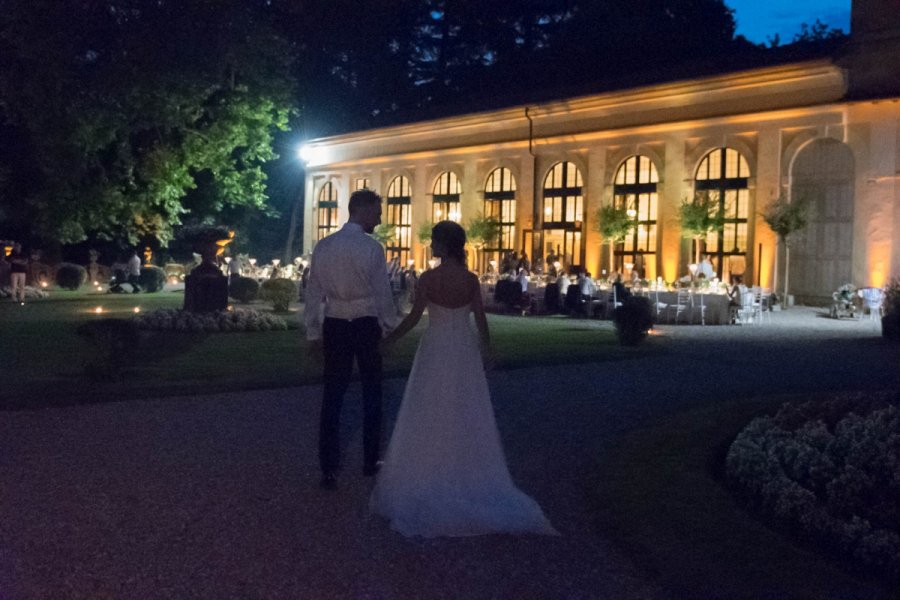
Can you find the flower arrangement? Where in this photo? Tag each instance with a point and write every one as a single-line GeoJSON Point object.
{"type": "Point", "coordinates": [169, 319]}
{"type": "Point", "coordinates": [31, 292]}
{"type": "Point", "coordinates": [844, 301]}
{"type": "Point", "coordinates": [830, 470]}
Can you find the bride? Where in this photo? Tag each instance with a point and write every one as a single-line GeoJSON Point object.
{"type": "Point", "coordinates": [444, 473]}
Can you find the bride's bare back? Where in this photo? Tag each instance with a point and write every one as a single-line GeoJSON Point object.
{"type": "Point", "coordinates": [450, 285]}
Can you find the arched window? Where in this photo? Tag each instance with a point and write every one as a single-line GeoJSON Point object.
{"type": "Point", "coordinates": [500, 203]}
{"type": "Point", "coordinates": [723, 175]}
{"type": "Point", "coordinates": [634, 189]}
{"type": "Point", "coordinates": [563, 214]}
{"type": "Point", "coordinates": [446, 198]}
{"type": "Point", "coordinates": [399, 201]}
{"type": "Point", "coordinates": [327, 211]}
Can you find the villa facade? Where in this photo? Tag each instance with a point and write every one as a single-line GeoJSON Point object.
{"type": "Point", "coordinates": [825, 130]}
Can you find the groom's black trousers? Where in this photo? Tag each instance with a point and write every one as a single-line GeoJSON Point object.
{"type": "Point", "coordinates": [342, 341]}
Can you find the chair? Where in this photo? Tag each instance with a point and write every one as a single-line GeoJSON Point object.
{"type": "Point", "coordinates": [659, 308]}
{"type": "Point", "coordinates": [761, 304]}
{"type": "Point", "coordinates": [612, 303]}
{"type": "Point", "coordinates": [873, 299]}
{"type": "Point", "coordinates": [682, 305]}
{"type": "Point", "coordinates": [574, 302]}
{"type": "Point", "coordinates": [747, 310]}
{"type": "Point", "coordinates": [701, 307]}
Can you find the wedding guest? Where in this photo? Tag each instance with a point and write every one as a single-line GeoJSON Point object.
{"type": "Point", "coordinates": [234, 269]}
{"type": "Point", "coordinates": [522, 278]}
{"type": "Point", "coordinates": [133, 270]}
{"type": "Point", "coordinates": [705, 267]}
{"type": "Point", "coordinates": [18, 266]}
{"type": "Point", "coordinates": [586, 285]}
{"type": "Point", "coordinates": [620, 290]}
{"type": "Point", "coordinates": [562, 284]}
{"type": "Point", "coordinates": [524, 263]}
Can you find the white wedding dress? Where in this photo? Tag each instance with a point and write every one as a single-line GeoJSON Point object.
{"type": "Point", "coordinates": [444, 472]}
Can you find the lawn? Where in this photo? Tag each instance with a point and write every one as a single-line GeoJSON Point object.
{"type": "Point", "coordinates": [44, 358]}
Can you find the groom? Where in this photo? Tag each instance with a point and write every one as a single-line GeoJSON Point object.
{"type": "Point", "coordinates": [348, 303]}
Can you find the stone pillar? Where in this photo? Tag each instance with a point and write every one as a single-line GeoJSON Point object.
{"type": "Point", "coordinates": [768, 187]}
{"type": "Point", "coordinates": [597, 194]}
{"type": "Point", "coordinates": [675, 184]}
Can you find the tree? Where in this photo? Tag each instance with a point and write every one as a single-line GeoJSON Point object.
{"type": "Point", "coordinates": [785, 218]}
{"type": "Point", "coordinates": [613, 224]}
{"type": "Point", "coordinates": [385, 233]}
{"type": "Point", "coordinates": [481, 231]}
{"type": "Point", "coordinates": [137, 114]}
{"type": "Point", "coordinates": [699, 217]}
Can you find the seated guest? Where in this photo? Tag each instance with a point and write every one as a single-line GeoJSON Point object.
{"type": "Point", "coordinates": [522, 278]}
{"type": "Point", "coordinates": [586, 285]}
{"type": "Point", "coordinates": [620, 290]}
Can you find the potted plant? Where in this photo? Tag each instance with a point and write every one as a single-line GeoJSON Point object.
{"type": "Point", "coordinates": [785, 218]}
{"type": "Point", "coordinates": [481, 231]}
{"type": "Point", "coordinates": [613, 224]}
{"type": "Point", "coordinates": [890, 322]}
{"type": "Point", "coordinates": [385, 233]}
{"type": "Point", "coordinates": [424, 236]}
{"type": "Point", "coordinates": [699, 217]}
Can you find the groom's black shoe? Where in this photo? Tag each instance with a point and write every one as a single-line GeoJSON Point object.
{"type": "Point", "coordinates": [370, 470]}
{"type": "Point", "coordinates": [329, 482]}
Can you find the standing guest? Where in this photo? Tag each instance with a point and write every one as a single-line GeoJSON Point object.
{"type": "Point", "coordinates": [562, 283]}
{"type": "Point", "coordinates": [134, 271]}
{"type": "Point", "coordinates": [235, 266]}
{"type": "Point", "coordinates": [524, 263]}
{"type": "Point", "coordinates": [706, 267]}
{"type": "Point", "coordinates": [348, 307]}
{"type": "Point", "coordinates": [18, 266]}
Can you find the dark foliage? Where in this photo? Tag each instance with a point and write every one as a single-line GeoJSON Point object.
{"type": "Point", "coordinates": [152, 278]}
{"type": "Point", "coordinates": [70, 277]}
{"type": "Point", "coordinates": [243, 289]}
{"type": "Point", "coordinates": [280, 292]}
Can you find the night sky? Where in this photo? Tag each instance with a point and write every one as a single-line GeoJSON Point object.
{"type": "Point", "coordinates": [759, 19]}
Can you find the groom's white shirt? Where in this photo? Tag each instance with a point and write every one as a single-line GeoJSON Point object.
{"type": "Point", "coordinates": [348, 280]}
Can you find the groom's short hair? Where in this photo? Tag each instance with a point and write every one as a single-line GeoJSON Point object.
{"type": "Point", "coordinates": [363, 198]}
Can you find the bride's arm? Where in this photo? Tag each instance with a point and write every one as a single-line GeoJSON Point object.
{"type": "Point", "coordinates": [484, 334]}
{"type": "Point", "coordinates": [414, 315]}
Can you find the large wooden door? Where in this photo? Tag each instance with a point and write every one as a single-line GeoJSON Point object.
{"type": "Point", "coordinates": [821, 254]}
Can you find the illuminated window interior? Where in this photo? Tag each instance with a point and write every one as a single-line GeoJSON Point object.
{"type": "Point", "coordinates": [723, 174]}
{"type": "Point", "coordinates": [500, 203]}
{"type": "Point", "coordinates": [635, 191]}
{"type": "Point", "coordinates": [446, 192]}
{"type": "Point", "coordinates": [362, 183]}
{"type": "Point", "coordinates": [327, 211]}
{"type": "Point", "coordinates": [563, 213]}
{"type": "Point", "coordinates": [399, 201]}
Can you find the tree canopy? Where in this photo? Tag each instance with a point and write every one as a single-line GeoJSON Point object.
{"type": "Point", "coordinates": [130, 115]}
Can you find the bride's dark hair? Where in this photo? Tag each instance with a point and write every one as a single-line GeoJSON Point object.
{"type": "Point", "coordinates": [453, 237]}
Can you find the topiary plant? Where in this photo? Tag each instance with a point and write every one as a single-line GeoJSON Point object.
{"type": "Point", "coordinates": [244, 289]}
{"type": "Point", "coordinates": [890, 322]}
{"type": "Point", "coordinates": [70, 277]}
{"type": "Point", "coordinates": [280, 292]}
{"type": "Point", "coordinates": [633, 320]}
{"type": "Point", "coordinates": [152, 278]}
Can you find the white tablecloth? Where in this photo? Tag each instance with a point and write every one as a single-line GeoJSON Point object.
{"type": "Point", "coordinates": [717, 309]}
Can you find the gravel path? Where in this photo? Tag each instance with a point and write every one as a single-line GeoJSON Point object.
{"type": "Point", "coordinates": [217, 497]}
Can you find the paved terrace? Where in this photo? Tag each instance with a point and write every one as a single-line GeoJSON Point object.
{"type": "Point", "coordinates": [217, 497]}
